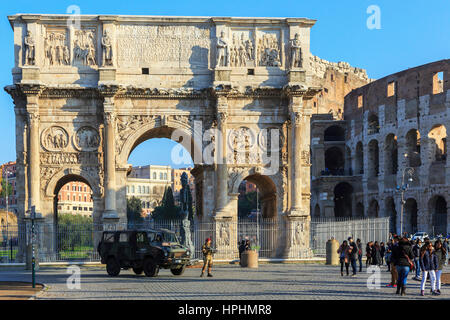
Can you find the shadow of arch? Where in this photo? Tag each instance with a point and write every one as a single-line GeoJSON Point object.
{"type": "Point", "coordinates": [437, 207]}
{"type": "Point", "coordinates": [410, 219]}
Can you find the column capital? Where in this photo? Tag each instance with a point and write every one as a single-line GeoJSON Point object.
{"type": "Point", "coordinates": [109, 117]}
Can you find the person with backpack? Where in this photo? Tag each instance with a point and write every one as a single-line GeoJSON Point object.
{"type": "Point", "coordinates": [344, 256]}
{"type": "Point", "coordinates": [429, 264]}
{"type": "Point", "coordinates": [402, 257]}
{"type": "Point", "coordinates": [441, 255]}
{"type": "Point", "coordinates": [416, 252]}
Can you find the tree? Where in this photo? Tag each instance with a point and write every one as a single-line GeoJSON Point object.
{"type": "Point", "coordinates": [167, 210]}
{"type": "Point", "coordinates": [134, 210]}
{"type": "Point", "coordinates": [5, 189]}
{"type": "Point", "coordinates": [246, 203]}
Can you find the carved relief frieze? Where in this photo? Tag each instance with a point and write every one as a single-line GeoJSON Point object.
{"type": "Point", "coordinates": [269, 48]}
{"type": "Point", "coordinates": [56, 48]}
{"type": "Point", "coordinates": [54, 138]}
{"type": "Point", "coordinates": [68, 158]}
{"type": "Point", "coordinates": [84, 47]}
{"type": "Point", "coordinates": [242, 49]}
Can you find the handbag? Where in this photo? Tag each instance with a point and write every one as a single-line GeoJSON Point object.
{"type": "Point", "coordinates": [411, 264]}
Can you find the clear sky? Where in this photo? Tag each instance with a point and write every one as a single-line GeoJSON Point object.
{"type": "Point", "coordinates": [413, 32]}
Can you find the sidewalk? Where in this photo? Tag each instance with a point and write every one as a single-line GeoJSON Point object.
{"type": "Point", "coordinates": [12, 290]}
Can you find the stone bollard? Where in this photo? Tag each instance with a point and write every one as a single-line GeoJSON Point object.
{"type": "Point", "coordinates": [332, 255]}
{"type": "Point", "coordinates": [249, 259]}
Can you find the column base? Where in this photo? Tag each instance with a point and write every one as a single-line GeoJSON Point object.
{"type": "Point", "coordinates": [110, 220]}
{"type": "Point", "coordinates": [294, 240]}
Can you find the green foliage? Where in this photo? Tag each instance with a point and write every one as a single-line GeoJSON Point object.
{"type": "Point", "coordinates": [74, 232]}
{"type": "Point", "coordinates": [167, 210]}
{"type": "Point", "coordinates": [134, 210]}
{"type": "Point", "coordinates": [5, 189]}
{"type": "Point", "coordinates": [246, 203]}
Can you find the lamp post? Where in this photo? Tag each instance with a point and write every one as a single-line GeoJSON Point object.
{"type": "Point", "coordinates": [404, 187]}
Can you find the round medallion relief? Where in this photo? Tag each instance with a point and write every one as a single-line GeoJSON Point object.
{"type": "Point", "coordinates": [54, 138]}
{"type": "Point", "coordinates": [86, 139]}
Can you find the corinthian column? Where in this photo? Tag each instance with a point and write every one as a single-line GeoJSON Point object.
{"type": "Point", "coordinates": [110, 163]}
{"type": "Point", "coordinates": [33, 156]}
{"type": "Point", "coordinates": [222, 171]}
{"type": "Point", "coordinates": [296, 177]}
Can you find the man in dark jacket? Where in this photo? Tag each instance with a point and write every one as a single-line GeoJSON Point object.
{"type": "Point", "coordinates": [360, 252]}
{"type": "Point", "coordinates": [416, 252]}
{"type": "Point", "coordinates": [402, 255]}
{"type": "Point", "coordinates": [353, 254]}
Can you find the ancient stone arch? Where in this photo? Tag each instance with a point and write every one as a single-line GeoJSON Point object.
{"type": "Point", "coordinates": [122, 80]}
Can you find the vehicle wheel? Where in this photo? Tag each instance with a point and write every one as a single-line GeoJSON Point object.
{"type": "Point", "coordinates": [151, 269]}
{"type": "Point", "coordinates": [178, 271]}
{"type": "Point", "coordinates": [112, 267]}
{"type": "Point", "coordinates": [138, 270]}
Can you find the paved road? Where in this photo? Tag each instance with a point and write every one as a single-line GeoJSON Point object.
{"type": "Point", "coordinates": [269, 281]}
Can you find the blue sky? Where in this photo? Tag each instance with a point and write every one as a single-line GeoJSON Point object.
{"type": "Point", "coordinates": [412, 33]}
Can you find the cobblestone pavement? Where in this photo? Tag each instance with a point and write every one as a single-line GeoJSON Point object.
{"type": "Point", "coordinates": [268, 282]}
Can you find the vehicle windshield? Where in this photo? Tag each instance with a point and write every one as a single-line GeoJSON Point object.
{"type": "Point", "coordinates": [169, 237]}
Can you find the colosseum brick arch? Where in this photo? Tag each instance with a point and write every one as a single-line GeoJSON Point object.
{"type": "Point", "coordinates": [119, 80]}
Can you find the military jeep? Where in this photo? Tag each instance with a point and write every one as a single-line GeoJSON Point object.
{"type": "Point", "coordinates": [144, 251]}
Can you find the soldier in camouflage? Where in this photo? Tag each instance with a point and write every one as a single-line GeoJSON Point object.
{"type": "Point", "coordinates": [207, 257]}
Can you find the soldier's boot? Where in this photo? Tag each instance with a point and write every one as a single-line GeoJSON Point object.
{"type": "Point", "coordinates": [201, 274]}
{"type": "Point", "coordinates": [210, 275]}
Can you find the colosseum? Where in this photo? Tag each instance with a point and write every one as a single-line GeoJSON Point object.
{"type": "Point", "coordinates": [385, 153]}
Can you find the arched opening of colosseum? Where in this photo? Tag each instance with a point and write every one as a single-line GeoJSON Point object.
{"type": "Point", "coordinates": [334, 133]}
{"type": "Point", "coordinates": [359, 210]}
{"type": "Point", "coordinates": [410, 218]}
{"type": "Point", "coordinates": [391, 155]}
{"type": "Point", "coordinates": [373, 159]}
{"type": "Point", "coordinates": [438, 142]}
{"type": "Point", "coordinates": [391, 213]}
{"type": "Point", "coordinates": [438, 209]}
{"type": "Point", "coordinates": [359, 154]}
{"type": "Point", "coordinates": [413, 148]}
{"type": "Point", "coordinates": [317, 211]}
{"type": "Point", "coordinates": [343, 194]}
{"type": "Point", "coordinates": [267, 195]}
{"type": "Point", "coordinates": [334, 161]}
{"type": "Point", "coordinates": [373, 125]}
{"type": "Point", "coordinates": [374, 209]}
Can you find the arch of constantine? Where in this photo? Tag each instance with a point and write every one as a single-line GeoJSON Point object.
{"type": "Point", "coordinates": [86, 95]}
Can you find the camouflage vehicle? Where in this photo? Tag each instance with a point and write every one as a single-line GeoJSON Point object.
{"type": "Point", "coordinates": [144, 251]}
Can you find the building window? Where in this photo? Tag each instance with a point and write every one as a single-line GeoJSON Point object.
{"type": "Point", "coordinates": [132, 189]}
{"type": "Point", "coordinates": [391, 89]}
{"type": "Point", "coordinates": [165, 176]}
{"type": "Point", "coordinates": [85, 199]}
{"type": "Point", "coordinates": [160, 176]}
{"type": "Point", "coordinates": [74, 208]}
{"type": "Point", "coordinates": [438, 82]}
{"type": "Point", "coordinates": [154, 175]}
{"type": "Point", "coordinates": [74, 198]}
{"type": "Point", "coordinates": [68, 197]}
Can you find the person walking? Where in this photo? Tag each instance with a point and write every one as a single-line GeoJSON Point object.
{"type": "Point", "coordinates": [402, 257]}
{"type": "Point", "coordinates": [344, 256]}
{"type": "Point", "coordinates": [360, 252]}
{"type": "Point", "coordinates": [445, 245]}
{"type": "Point", "coordinates": [394, 275]}
{"type": "Point", "coordinates": [353, 254]}
{"type": "Point", "coordinates": [376, 254]}
{"type": "Point", "coordinates": [441, 255]}
{"type": "Point", "coordinates": [416, 252]}
{"type": "Point", "coordinates": [207, 257]}
{"type": "Point", "coordinates": [388, 256]}
{"type": "Point", "coordinates": [382, 252]}
{"type": "Point", "coordinates": [368, 253]}
{"type": "Point", "coordinates": [429, 264]}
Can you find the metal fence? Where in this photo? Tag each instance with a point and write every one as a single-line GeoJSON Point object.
{"type": "Point", "coordinates": [77, 242]}
{"type": "Point", "coordinates": [370, 229]}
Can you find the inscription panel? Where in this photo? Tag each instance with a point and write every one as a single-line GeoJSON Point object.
{"type": "Point", "coordinates": [163, 46]}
